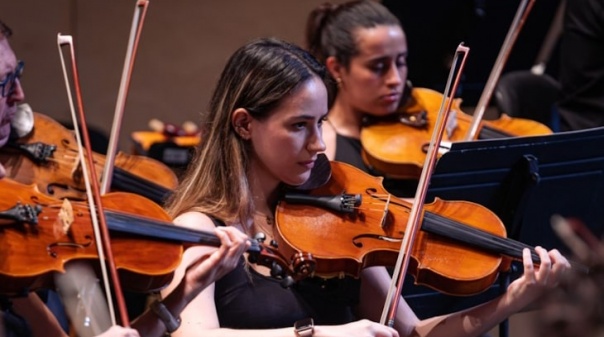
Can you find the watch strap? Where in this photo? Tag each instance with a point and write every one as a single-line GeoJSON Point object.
{"type": "Point", "coordinates": [304, 328]}
{"type": "Point", "coordinates": [172, 323]}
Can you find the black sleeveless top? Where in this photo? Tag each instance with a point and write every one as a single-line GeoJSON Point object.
{"type": "Point", "coordinates": [246, 299]}
{"type": "Point", "coordinates": [348, 150]}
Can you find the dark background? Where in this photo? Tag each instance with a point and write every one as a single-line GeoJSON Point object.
{"type": "Point", "coordinates": [434, 28]}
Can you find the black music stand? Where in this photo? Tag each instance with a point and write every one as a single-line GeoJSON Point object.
{"type": "Point", "coordinates": [527, 180]}
{"type": "Point", "coordinates": [524, 181]}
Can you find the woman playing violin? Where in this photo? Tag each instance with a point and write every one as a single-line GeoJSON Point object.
{"type": "Point", "coordinates": [203, 267]}
{"type": "Point", "coordinates": [263, 130]}
{"type": "Point", "coordinates": [364, 49]}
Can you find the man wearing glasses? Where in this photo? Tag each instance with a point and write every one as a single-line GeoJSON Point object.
{"type": "Point", "coordinates": [15, 312]}
{"type": "Point", "coordinates": [11, 92]}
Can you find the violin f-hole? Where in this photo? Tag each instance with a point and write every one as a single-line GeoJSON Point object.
{"type": "Point", "coordinates": [54, 254]}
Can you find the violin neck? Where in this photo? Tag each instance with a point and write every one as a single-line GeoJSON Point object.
{"type": "Point", "coordinates": [439, 225]}
{"type": "Point", "coordinates": [165, 231]}
{"type": "Point", "coordinates": [128, 182]}
{"type": "Point", "coordinates": [487, 132]}
{"type": "Point", "coordinates": [127, 224]}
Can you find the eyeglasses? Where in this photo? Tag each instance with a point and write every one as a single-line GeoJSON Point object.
{"type": "Point", "coordinates": [8, 86]}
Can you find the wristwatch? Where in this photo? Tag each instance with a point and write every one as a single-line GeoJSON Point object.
{"type": "Point", "coordinates": [172, 323]}
{"type": "Point", "coordinates": [304, 327]}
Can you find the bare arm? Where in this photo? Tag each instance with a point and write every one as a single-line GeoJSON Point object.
{"type": "Point", "coordinates": [200, 318]}
{"type": "Point", "coordinates": [200, 267]}
{"type": "Point", "coordinates": [474, 321]}
{"type": "Point", "coordinates": [32, 309]}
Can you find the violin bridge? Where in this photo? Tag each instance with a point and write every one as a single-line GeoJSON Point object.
{"type": "Point", "coordinates": [385, 213]}
{"type": "Point", "coordinates": [65, 218]}
{"type": "Point", "coordinates": [451, 125]}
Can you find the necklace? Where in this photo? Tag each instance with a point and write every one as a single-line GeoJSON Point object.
{"type": "Point", "coordinates": [264, 223]}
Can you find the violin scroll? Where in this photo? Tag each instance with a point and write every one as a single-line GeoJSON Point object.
{"type": "Point", "coordinates": [301, 266]}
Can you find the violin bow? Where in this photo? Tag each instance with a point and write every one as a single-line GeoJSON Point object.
{"type": "Point", "coordinates": [551, 39]}
{"type": "Point", "coordinates": [521, 14]}
{"type": "Point", "coordinates": [92, 189]}
{"type": "Point", "coordinates": [414, 221]}
{"type": "Point", "coordinates": [137, 25]}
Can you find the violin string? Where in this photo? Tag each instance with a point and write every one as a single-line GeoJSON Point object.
{"type": "Point", "coordinates": [361, 208]}
{"type": "Point", "coordinates": [59, 161]}
{"type": "Point", "coordinates": [472, 235]}
{"type": "Point", "coordinates": [76, 158]}
{"type": "Point", "coordinates": [456, 231]}
{"type": "Point", "coordinates": [510, 247]}
{"type": "Point", "coordinates": [133, 224]}
{"type": "Point", "coordinates": [135, 183]}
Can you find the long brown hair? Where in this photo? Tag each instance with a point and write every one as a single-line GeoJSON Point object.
{"type": "Point", "coordinates": [257, 77]}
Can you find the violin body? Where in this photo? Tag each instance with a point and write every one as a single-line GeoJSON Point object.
{"type": "Point", "coordinates": [50, 233]}
{"type": "Point", "coordinates": [341, 243]}
{"type": "Point", "coordinates": [398, 149]}
{"type": "Point", "coordinates": [48, 157]}
{"type": "Point", "coordinates": [39, 235]}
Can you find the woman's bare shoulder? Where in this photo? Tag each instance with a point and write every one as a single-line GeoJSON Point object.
{"type": "Point", "coordinates": [195, 220]}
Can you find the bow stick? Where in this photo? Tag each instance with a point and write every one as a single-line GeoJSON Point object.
{"type": "Point", "coordinates": [137, 25]}
{"type": "Point", "coordinates": [521, 14]}
{"type": "Point", "coordinates": [414, 221]}
{"type": "Point", "coordinates": [92, 189]}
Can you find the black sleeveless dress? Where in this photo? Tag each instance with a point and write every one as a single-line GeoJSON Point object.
{"type": "Point", "coordinates": [246, 299]}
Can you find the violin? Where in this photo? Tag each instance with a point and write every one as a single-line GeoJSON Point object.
{"type": "Point", "coordinates": [396, 146]}
{"type": "Point", "coordinates": [352, 223]}
{"type": "Point", "coordinates": [48, 157]}
{"type": "Point", "coordinates": [40, 234]}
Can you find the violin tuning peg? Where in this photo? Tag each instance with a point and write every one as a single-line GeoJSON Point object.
{"type": "Point", "coordinates": [260, 237]}
{"type": "Point", "coordinates": [287, 282]}
{"type": "Point", "coordinates": [274, 244]}
{"type": "Point", "coordinates": [276, 270]}
{"type": "Point", "coordinates": [252, 258]}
